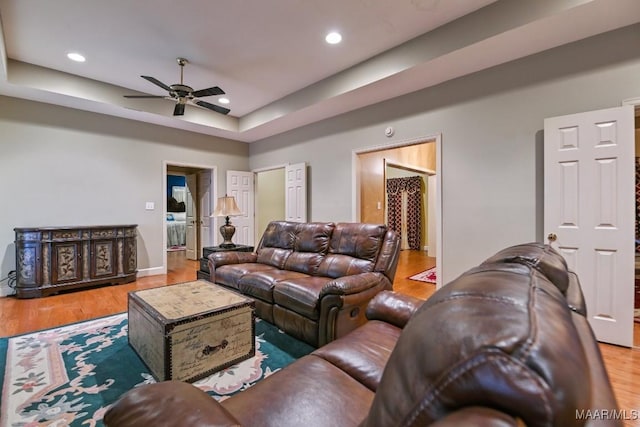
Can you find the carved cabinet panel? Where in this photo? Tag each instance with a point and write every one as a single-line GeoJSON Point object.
{"type": "Point", "coordinates": [103, 258]}
{"type": "Point", "coordinates": [52, 259]}
{"type": "Point", "coordinates": [27, 257]}
{"type": "Point", "coordinates": [66, 262]}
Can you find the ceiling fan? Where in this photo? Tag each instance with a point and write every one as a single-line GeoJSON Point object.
{"type": "Point", "coordinates": [183, 93]}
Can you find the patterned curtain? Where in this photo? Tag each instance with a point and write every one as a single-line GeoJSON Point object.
{"type": "Point", "coordinates": [394, 204]}
{"type": "Point", "coordinates": [412, 187]}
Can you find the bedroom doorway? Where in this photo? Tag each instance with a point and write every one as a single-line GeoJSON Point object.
{"type": "Point", "coordinates": [188, 226]}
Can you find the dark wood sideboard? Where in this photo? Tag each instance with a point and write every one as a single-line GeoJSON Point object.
{"type": "Point", "coordinates": [53, 259]}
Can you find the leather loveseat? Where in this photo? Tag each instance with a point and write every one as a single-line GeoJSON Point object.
{"type": "Point", "coordinates": [312, 280]}
{"type": "Point", "coordinates": [505, 344]}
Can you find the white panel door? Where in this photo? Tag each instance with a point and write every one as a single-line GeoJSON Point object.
{"type": "Point", "coordinates": [240, 186]}
{"type": "Point", "coordinates": [191, 231]}
{"type": "Point", "coordinates": [589, 209]}
{"type": "Point", "coordinates": [296, 192]}
{"type": "Point", "coordinates": [205, 184]}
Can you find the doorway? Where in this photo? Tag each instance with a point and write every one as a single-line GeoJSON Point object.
{"type": "Point", "coordinates": [270, 198]}
{"type": "Point", "coordinates": [190, 220]}
{"type": "Point", "coordinates": [369, 170]}
{"type": "Point", "coordinates": [425, 226]}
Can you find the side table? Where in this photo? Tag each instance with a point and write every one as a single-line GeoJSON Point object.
{"type": "Point", "coordinates": [204, 272]}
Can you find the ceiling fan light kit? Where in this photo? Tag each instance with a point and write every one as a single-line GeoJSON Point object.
{"type": "Point", "coordinates": [184, 94]}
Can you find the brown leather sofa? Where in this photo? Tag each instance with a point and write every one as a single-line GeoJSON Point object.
{"type": "Point", "coordinates": [312, 280]}
{"type": "Point", "coordinates": [505, 344]}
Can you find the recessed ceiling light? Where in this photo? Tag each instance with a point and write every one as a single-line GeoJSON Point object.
{"type": "Point", "coordinates": [74, 56]}
{"type": "Point", "coordinates": [223, 100]}
{"type": "Point", "coordinates": [333, 38]}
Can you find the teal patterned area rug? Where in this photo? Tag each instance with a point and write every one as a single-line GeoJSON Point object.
{"type": "Point", "coordinates": [69, 376]}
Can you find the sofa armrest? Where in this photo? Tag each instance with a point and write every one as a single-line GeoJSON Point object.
{"type": "Point", "coordinates": [218, 259]}
{"type": "Point", "coordinates": [393, 307]}
{"type": "Point", "coordinates": [343, 302]}
{"type": "Point", "coordinates": [354, 284]}
{"type": "Point", "coordinates": [168, 403]}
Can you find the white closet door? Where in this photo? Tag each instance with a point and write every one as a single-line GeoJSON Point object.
{"type": "Point", "coordinates": [296, 192]}
{"type": "Point", "coordinates": [240, 186]}
{"type": "Point", "coordinates": [589, 204]}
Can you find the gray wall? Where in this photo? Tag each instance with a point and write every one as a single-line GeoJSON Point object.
{"type": "Point", "coordinates": [63, 167]}
{"type": "Point", "coordinates": [491, 124]}
{"type": "Point", "coordinates": [60, 166]}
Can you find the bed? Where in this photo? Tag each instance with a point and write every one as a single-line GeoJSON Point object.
{"type": "Point", "coordinates": [176, 229]}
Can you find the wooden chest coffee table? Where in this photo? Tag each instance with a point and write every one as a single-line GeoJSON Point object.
{"type": "Point", "coordinates": [190, 330]}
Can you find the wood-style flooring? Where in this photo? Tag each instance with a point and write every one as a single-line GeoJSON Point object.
{"type": "Point", "coordinates": [21, 316]}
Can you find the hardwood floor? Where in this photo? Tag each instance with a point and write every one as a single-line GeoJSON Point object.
{"type": "Point", "coordinates": [18, 316]}
{"type": "Point", "coordinates": [21, 316]}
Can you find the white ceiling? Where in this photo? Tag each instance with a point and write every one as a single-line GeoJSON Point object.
{"type": "Point", "coordinates": [270, 55]}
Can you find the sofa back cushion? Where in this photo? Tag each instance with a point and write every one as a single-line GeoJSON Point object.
{"type": "Point", "coordinates": [500, 336]}
{"type": "Point", "coordinates": [295, 246]}
{"type": "Point", "coordinates": [539, 256]}
{"type": "Point", "coordinates": [277, 243]}
{"type": "Point", "coordinates": [310, 245]}
{"type": "Point", "coordinates": [353, 249]}
{"type": "Point", "coordinates": [328, 249]}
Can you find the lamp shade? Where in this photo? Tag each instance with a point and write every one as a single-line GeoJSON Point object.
{"type": "Point", "coordinates": [226, 206]}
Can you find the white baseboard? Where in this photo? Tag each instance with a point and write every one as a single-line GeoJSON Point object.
{"type": "Point", "coordinates": [6, 290]}
{"type": "Point", "coordinates": [152, 271]}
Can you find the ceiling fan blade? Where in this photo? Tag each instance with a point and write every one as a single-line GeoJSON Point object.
{"type": "Point", "coordinates": [144, 96]}
{"type": "Point", "coordinates": [179, 109]}
{"type": "Point", "coordinates": [215, 90]}
{"type": "Point", "coordinates": [157, 82]}
{"type": "Point", "coordinates": [213, 107]}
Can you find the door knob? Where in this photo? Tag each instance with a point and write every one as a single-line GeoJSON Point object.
{"type": "Point", "coordinates": [552, 237]}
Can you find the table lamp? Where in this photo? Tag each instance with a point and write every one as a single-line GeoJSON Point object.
{"type": "Point", "coordinates": [226, 206]}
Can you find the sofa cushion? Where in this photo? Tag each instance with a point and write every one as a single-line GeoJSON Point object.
{"type": "Point", "coordinates": [313, 237]}
{"type": "Point", "coordinates": [310, 392]}
{"type": "Point", "coordinates": [230, 274]}
{"type": "Point", "coordinates": [304, 262]}
{"type": "Point", "coordinates": [353, 249]}
{"type": "Point", "coordinates": [363, 354]}
{"type": "Point", "coordinates": [357, 240]}
{"type": "Point", "coordinates": [279, 234]}
{"type": "Point", "coordinates": [337, 265]}
{"type": "Point", "coordinates": [164, 404]}
{"type": "Point", "coordinates": [276, 257]}
{"type": "Point", "coordinates": [259, 284]}
{"type": "Point", "coordinates": [295, 246]}
{"type": "Point", "coordinates": [277, 243]}
{"type": "Point", "coordinates": [300, 295]}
